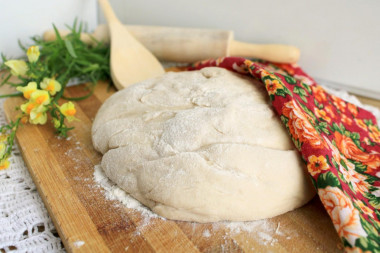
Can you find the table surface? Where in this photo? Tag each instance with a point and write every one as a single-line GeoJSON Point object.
{"type": "Point", "coordinates": [53, 241]}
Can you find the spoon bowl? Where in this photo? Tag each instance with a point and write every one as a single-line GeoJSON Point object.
{"type": "Point", "coordinates": [130, 61]}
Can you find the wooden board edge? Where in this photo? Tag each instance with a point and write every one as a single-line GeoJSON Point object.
{"type": "Point", "coordinates": [72, 234]}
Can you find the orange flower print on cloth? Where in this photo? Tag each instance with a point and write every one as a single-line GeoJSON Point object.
{"type": "Point", "coordinates": [272, 86]}
{"type": "Point", "coordinates": [330, 111]}
{"type": "Point", "coordinates": [344, 216]}
{"type": "Point", "coordinates": [339, 142]}
{"type": "Point", "coordinates": [360, 123]}
{"type": "Point", "coordinates": [339, 103]}
{"type": "Point", "coordinates": [317, 164]}
{"type": "Point", "coordinates": [374, 133]}
{"type": "Point", "coordinates": [353, 109]}
{"type": "Point", "coordinates": [356, 180]}
{"type": "Point", "coordinates": [346, 119]}
{"type": "Point", "coordinates": [350, 150]}
{"type": "Point", "coordinates": [322, 114]}
{"type": "Point", "coordinates": [364, 208]}
{"type": "Point", "coordinates": [299, 125]}
{"type": "Point", "coordinates": [356, 250]}
{"type": "Point", "coordinates": [319, 93]}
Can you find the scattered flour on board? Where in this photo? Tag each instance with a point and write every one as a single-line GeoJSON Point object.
{"type": "Point", "coordinates": [206, 233]}
{"type": "Point", "coordinates": [78, 244]}
{"type": "Point", "coordinates": [113, 192]}
{"type": "Point", "coordinates": [267, 232]}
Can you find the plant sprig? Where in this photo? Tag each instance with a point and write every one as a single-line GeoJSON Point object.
{"type": "Point", "coordinates": [43, 78]}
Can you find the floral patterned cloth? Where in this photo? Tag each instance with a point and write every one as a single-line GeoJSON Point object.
{"type": "Point", "coordinates": [338, 141]}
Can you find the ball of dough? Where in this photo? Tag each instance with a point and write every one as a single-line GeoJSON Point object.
{"type": "Point", "coordinates": [201, 146]}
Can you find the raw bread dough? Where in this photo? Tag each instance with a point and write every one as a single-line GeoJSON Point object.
{"type": "Point", "coordinates": [201, 146]}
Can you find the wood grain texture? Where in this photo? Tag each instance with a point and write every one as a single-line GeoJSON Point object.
{"type": "Point", "coordinates": [63, 172]}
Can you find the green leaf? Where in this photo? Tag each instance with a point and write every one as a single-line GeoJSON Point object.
{"type": "Point", "coordinates": [266, 77]}
{"type": "Point", "coordinates": [70, 49]}
{"type": "Point", "coordinates": [307, 87]}
{"type": "Point", "coordinates": [325, 129]}
{"type": "Point", "coordinates": [290, 79]}
{"type": "Point", "coordinates": [335, 163]}
{"type": "Point", "coordinates": [287, 91]}
{"type": "Point", "coordinates": [370, 230]}
{"type": "Point", "coordinates": [337, 128]}
{"type": "Point", "coordinates": [284, 120]}
{"type": "Point", "coordinates": [371, 179]}
{"type": "Point", "coordinates": [327, 179]}
{"type": "Point", "coordinates": [359, 167]}
{"type": "Point", "coordinates": [358, 144]}
{"type": "Point", "coordinates": [314, 183]}
{"type": "Point", "coordinates": [368, 122]}
{"type": "Point", "coordinates": [343, 163]}
{"type": "Point", "coordinates": [300, 91]}
{"type": "Point", "coordinates": [317, 104]}
{"type": "Point", "coordinates": [311, 114]}
{"type": "Point", "coordinates": [355, 136]}
{"type": "Point", "coordinates": [297, 143]}
{"type": "Point", "coordinates": [328, 160]}
{"type": "Point", "coordinates": [281, 92]}
{"type": "Point", "coordinates": [375, 202]}
{"type": "Point", "coordinates": [362, 243]}
{"type": "Point", "coordinates": [323, 124]}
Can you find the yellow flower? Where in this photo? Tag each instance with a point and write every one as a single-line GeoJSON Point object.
{"type": "Point", "coordinates": [3, 137]}
{"type": "Point", "coordinates": [38, 116]}
{"type": "Point", "coordinates": [28, 107]}
{"type": "Point", "coordinates": [56, 123]}
{"type": "Point", "coordinates": [50, 85]}
{"type": "Point", "coordinates": [68, 109]}
{"type": "Point", "coordinates": [4, 164]}
{"type": "Point", "coordinates": [272, 86]}
{"type": "Point", "coordinates": [317, 164]}
{"type": "Point", "coordinates": [18, 67]}
{"type": "Point", "coordinates": [28, 90]}
{"type": "Point", "coordinates": [24, 119]}
{"type": "Point", "coordinates": [40, 97]}
{"type": "Point", "coordinates": [33, 53]}
{"type": "Point", "coordinates": [3, 149]}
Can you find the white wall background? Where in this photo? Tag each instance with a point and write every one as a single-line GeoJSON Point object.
{"type": "Point", "coordinates": [22, 19]}
{"type": "Point", "coordinates": [339, 39]}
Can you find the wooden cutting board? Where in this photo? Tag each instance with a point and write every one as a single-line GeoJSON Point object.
{"type": "Point", "coordinates": [87, 221]}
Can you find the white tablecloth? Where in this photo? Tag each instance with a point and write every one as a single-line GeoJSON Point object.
{"type": "Point", "coordinates": [25, 225]}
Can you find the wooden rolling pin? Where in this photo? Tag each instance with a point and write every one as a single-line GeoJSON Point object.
{"type": "Point", "coordinates": [191, 45]}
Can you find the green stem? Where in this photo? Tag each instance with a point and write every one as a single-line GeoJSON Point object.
{"type": "Point", "coordinates": [80, 98]}
{"type": "Point", "coordinates": [18, 94]}
{"type": "Point", "coordinates": [5, 80]}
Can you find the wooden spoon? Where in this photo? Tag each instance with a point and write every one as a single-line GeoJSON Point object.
{"type": "Point", "coordinates": [131, 62]}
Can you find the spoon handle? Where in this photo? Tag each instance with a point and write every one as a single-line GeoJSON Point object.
{"type": "Point", "coordinates": [108, 12]}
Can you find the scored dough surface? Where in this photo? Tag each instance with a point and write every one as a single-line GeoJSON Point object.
{"type": "Point", "coordinates": [201, 146]}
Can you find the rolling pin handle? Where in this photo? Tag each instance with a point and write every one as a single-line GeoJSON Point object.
{"type": "Point", "coordinates": [271, 52]}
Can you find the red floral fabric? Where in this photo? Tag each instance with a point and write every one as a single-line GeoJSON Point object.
{"type": "Point", "coordinates": [338, 141]}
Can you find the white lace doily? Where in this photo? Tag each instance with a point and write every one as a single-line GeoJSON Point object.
{"type": "Point", "coordinates": [25, 225]}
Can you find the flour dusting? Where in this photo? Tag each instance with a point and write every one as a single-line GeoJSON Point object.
{"type": "Point", "coordinates": [265, 232]}
{"type": "Point", "coordinates": [206, 233]}
{"type": "Point", "coordinates": [113, 192]}
{"type": "Point", "coordinates": [78, 244]}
